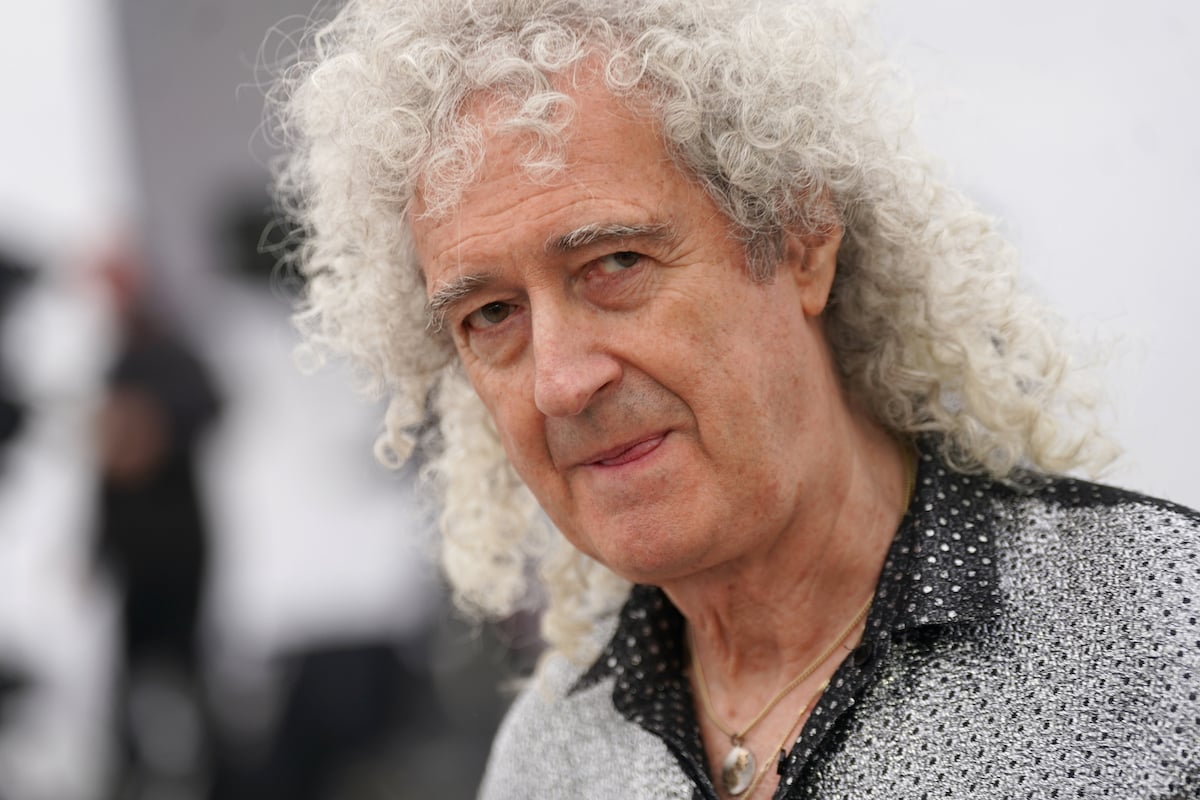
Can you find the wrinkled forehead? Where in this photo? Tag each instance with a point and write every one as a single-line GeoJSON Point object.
{"type": "Point", "coordinates": [602, 156]}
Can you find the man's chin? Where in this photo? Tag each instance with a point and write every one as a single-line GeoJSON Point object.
{"type": "Point", "coordinates": [645, 556]}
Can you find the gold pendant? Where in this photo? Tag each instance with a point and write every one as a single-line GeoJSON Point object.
{"type": "Point", "coordinates": [738, 769]}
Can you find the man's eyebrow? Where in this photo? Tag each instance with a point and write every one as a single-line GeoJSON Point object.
{"type": "Point", "coordinates": [599, 232]}
{"type": "Point", "coordinates": [456, 289]}
{"type": "Point", "coordinates": [450, 293]}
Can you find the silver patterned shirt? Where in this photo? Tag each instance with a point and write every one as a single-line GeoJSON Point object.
{"type": "Point", "coordinates": [1039, 643]}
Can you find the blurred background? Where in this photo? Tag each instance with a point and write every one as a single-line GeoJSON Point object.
{"type": "Point", "coordinates": [288, 639]}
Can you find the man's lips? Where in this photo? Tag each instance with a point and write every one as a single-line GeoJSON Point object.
{"type": "Point", "coordinates": [625, 453]}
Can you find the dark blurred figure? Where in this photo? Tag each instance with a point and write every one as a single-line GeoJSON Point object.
{"type": "Point", "coordinates": [14, 275]}
{"type": "Point", "coordinates": [153, 538]}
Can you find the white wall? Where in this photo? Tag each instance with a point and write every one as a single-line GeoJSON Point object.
{"type": "Point", "coordinates": [1078, 123]}
{"type": "Point", "coordinates": [63, 168]}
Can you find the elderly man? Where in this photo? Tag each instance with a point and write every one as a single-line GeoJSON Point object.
{"type": "Point", "coordinates": [670, 272]}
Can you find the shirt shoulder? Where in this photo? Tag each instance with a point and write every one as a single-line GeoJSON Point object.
{"type": "Point", "coordinates": [561, 739]}
{"type": "Point", "coordinates": [1075, 493]}
{"type": "Point", "coordinates": [1115, 576]}
{"type": "Point", "coordinates": [1122, 534]}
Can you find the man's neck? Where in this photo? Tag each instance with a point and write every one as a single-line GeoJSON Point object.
{"type": "Point", "coordinates": [758, 622]}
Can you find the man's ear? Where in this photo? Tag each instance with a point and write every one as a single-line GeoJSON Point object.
{"type": "Point", "coordinates": [811, 261]}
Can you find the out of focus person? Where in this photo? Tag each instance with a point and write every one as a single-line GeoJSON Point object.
{"type": "Point", "coordinates": [14, 274]}
{"type": "Point", "coordinates": [152, 533]}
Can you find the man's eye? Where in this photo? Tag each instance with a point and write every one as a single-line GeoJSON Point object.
{"type": "Point", "coordinates": [488, 315]}
{"type": "Point", "coordinates": [617, 262]}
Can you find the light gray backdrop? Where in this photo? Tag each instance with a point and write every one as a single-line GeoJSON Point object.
{"type": "Point", "coordinates": [1077, 122]}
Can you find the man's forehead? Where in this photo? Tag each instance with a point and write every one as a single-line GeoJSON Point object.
{"type": "Point", "coordinates": [608, 161]}
{"type": "Point", "coordinates": [528, 141]}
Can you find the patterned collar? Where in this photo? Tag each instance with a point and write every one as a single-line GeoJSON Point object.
{"type": "Point", "coordinates": [940, 570]}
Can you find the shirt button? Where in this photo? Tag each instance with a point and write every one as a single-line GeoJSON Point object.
{"type": "Point", "coordinates": [863, 655]}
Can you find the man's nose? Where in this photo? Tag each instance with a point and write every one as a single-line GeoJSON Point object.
{"type": "Point", "coordinates": [570, 365]}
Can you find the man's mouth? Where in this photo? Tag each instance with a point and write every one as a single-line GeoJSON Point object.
{"type": "Point", "coordinates": [625, 453]}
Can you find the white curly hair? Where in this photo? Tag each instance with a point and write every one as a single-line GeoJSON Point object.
{"type": "Point", "coordinates": [776, 108]}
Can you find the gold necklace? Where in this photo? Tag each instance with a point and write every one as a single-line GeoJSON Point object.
{"type": "Point", "coordinates": [787, 735]}
{"type": "Point", "coordinates": [740, 765]}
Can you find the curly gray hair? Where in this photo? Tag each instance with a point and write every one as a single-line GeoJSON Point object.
{"type": "Point", "coordinates": [787, 118]}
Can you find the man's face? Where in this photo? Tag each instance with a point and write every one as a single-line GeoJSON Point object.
{"type": "Point", "coordinates": [666, 410]}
